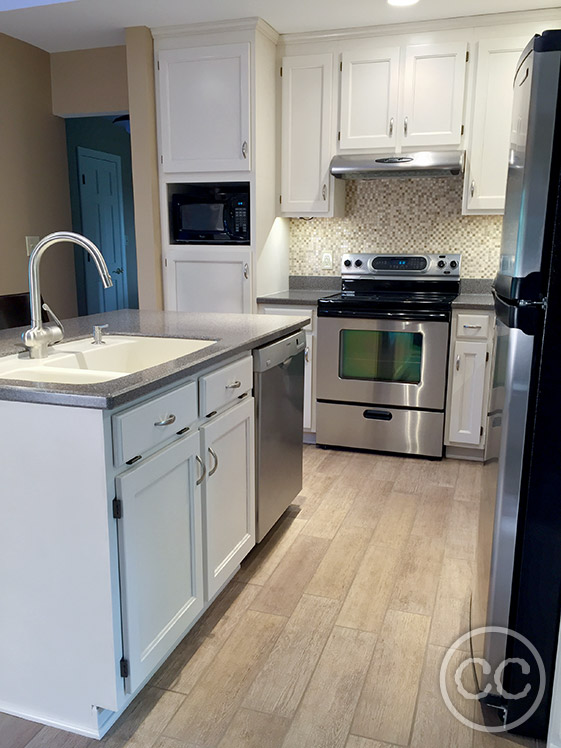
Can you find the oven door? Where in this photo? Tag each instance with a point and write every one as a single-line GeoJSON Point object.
{"type": "Point", "coordinates": [383, 361]}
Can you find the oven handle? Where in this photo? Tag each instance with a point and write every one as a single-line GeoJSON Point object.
{"type": "Point", "coordinates": [378, 415]}
{"type": "Point", "coordinates": [398, 317]}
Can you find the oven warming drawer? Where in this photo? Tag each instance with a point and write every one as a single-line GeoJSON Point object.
{"type": "Point", "coordinates": [382, 429]}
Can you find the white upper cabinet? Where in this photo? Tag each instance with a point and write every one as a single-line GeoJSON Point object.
{"type": "Point", "coordinates": [369, 98]}
{"type": "Point", "coordinates": [204, 108]}
{"type": "Point", "coordinates": [433, 94]}
{"type": "Point", "coordinates": [307, 92]}
{"type": "Point", "coordinates": [490, 133]}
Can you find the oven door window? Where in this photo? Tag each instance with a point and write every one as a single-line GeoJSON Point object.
{"type": "Point", "coordinates": [381, 356]}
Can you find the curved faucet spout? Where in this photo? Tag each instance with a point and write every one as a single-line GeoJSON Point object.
{"type": "Point", "coordinates": [39, 336]}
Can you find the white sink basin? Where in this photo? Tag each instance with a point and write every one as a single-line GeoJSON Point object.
{"type": "Point", "coordinates": [82, 362]}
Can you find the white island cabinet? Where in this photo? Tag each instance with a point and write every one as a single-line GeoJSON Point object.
{"type": "Point", "coordinates": [118, 528]}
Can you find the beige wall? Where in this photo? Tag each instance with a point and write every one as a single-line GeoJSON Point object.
{"type": "Point", "coordinates": [89, 81]}
{"type": "Point", "coordinates": [34, 196]}
{"type": "Point", "coordinates": [142, 109]}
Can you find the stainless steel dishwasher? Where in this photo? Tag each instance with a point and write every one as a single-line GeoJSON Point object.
{"type": "Point", "coordinates": [278, 386]}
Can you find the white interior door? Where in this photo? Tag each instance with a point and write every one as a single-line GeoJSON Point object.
{"type": "Point", "coordinates": [160, 555]}
{"type": "Point", "coordinates": [306, 133]}
{"type": "Point", "coordinates": [208, 280]}
{"type": "Point", "coordinates": [229, 492]}
{"type": "Point", "coordinates": [468, 387]}
{"type": "Point", "coordinates": [488, 153]}
{"type": "Point", "coordinates": [204, 108]}
{"type": "Point", "coordinates": [369, 98]}
{"type": "Point", "coordinates": [433, 96]}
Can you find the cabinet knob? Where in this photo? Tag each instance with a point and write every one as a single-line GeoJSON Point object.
{"type": "Point", "coordinates": [201, 464]}
{"type": "Point", "coordinates": [244, 149]}
{"type": "Point", "coordinates": [472, 188]}
{"type": "Point", "coordinates": [391, 127]}
{"type": "Point", "coordinates": [458, 359]}
{"type": "Point", "coordinates": [214, 456]}
{"type": "Point", "coordinates": [324, 192]}
{"type": "Point", "coordinates": [405, 126]}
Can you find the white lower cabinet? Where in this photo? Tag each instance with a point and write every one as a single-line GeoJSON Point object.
{"type": "Point", "coordinates": [228, 443]}
{"type": "Point", "coordinates": [469, 373]}
{"type": "Point", "coordinates": [160, 554]}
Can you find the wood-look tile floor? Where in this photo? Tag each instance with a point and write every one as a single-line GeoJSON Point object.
{"type": "Point", "coordinates": [333, 631]}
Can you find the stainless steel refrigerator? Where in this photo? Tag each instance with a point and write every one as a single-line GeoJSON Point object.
{"type": "Point", "coordinates": [520, 520]}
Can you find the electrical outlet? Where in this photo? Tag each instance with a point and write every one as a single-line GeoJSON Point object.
{"type": "Point", "coordinates": [327, 260]}
{"type": "Point", "coordinates": [30, 242]}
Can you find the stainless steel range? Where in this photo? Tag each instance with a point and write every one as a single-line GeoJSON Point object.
{"type": "Point", "coordinates": [383, 353]}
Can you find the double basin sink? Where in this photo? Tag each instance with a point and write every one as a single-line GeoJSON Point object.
{"type": "Point", "coordinates": [84, 362]}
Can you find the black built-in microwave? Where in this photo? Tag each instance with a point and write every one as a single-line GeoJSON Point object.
{"type": "Point", "coordinates": [211, 213]}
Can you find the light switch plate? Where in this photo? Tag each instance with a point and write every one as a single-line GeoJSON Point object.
{"type": "Point", "coordinates": [30, 242]}
{"type": "Point", "coordinates": [327, 260]}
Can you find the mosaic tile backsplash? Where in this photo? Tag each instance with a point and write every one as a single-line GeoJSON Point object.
{"type": "Point", "coordinates": [399, 215]}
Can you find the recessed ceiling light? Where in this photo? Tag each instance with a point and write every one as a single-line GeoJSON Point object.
{"type": "Point", "coordinates": [402, 2]}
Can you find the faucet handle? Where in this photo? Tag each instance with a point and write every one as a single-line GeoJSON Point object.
{"type": "Point", "coordinates": [98, 333]}
{"type": "Point", "coordinates": [53, 317]}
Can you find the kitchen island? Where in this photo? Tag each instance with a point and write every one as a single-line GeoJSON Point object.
{"type": "Point", "coordinates": [127, 505]}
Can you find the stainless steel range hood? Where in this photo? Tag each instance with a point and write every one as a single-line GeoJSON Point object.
{"type": "Point", "coordinates": [420, 164]}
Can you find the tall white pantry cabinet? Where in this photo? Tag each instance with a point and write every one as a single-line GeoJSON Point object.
{"type": "Point", "coordinates": [217, 122]}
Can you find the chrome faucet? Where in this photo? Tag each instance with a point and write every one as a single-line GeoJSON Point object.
{"type": "Point", "coordinates": [39, 336]}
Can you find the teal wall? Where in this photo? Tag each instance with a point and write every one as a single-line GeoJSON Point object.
{"type": "Point", "coordinates": [100, 134]}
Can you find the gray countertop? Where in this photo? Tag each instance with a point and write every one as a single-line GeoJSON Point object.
{"type": "Point", "coordinates": [474, 301]}
{"type": "Point", "coordinates": [234, 334]}
{"type": "Point", "coordinates": [296, 297]}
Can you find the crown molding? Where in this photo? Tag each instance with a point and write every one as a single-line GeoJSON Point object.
{"type": "Point", "coordinates": [412, 27]}
{"type": "Point", "coordinates": [217, 27]}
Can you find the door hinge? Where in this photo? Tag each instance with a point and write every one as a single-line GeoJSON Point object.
{"type": "Point", "coordinates": [83, 179]}
{"type": "Point", "coordinates": [467, 56]}
{"type": "Point", "coordinates": [339, 135]}
{"type": "Point", "coordinates": [281, 72]}
{"type": "Point", "coordinates": [341, 66]}
{"type": "Point", "coordinates": [463, 130]}
{"type": "Point", "coordinates": [280, 199]}
{"type": "Point", "coordinates": [117, 509]}
{"type": "Point", "coordinates": [487, 357]}
{"type": "Point", "coordinates": [481, 431]}
{"type": "Point", "coordinates": [124, 667]}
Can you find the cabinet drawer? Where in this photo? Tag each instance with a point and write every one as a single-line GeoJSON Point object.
{"type": "Point", "coordinates": [472, 326]}
{"type": "Point", "coordinates": [225, 385]}
{"type": "Point", "coordinates": [140, 429]}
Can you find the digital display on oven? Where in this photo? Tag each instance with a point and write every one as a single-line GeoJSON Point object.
{"type": "Point", "coordinates": [399, 263]}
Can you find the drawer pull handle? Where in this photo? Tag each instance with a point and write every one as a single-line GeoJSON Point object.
{"type": "Point", "coordinates": [307, 354]}
{"type": "Point", "coordinates": [234, 385]}
{"type": "Point", "coordinates": [378, 415]}
{"type": "Point", "coordinates": [472, 327]}
{"type": "Point", "coordinates": [201, 464]}
{"type": "Point", "coordinates": [458, 359]}
{"type": "Point", "coordinates": [166, 421]}
{"type": "Point", "coordinates": [214, 456]}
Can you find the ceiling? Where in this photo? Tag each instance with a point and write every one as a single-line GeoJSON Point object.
{"type": "Point", "coordinates": [82, 24]}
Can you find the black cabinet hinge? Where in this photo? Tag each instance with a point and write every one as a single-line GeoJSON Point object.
{"type": "Point", "coordinates": [124, 666]}
{"type": "Point", "coordinates": [341, 66]}
{"type": "Point", "coordinates": [281, 72]}
{"type": "Point", "coordinates": [117, 508]}
{"type": "Point", "coordinates": [339, 135]}
{"type": "Point", "coordinates": [487, 357]}
{"type": "Point", "coordinates": [481, 431]}
{"type": "Point", "coordinates": [467, 56]}
{"type": "Point", "coordinates": [463, 129]}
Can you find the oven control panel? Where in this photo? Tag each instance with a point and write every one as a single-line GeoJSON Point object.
{"type": "Point", "coordinates": [365, 265]}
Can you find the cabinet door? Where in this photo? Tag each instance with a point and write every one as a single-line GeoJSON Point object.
{"type": "Point", "coordinates": [465, 418]}
{"type": "Point", "coordinates": [208, 280]}
{"type": "Point", "coordinates": [160, 555]}
{"type": "Point", "coordinates": [229, 493]}
{"type": "Point", "coordinates": [488, 153]}
{"type": "Point", "coordinates": [204, 108]}
{"type": "Point", "coordinates": [369, 95]}
{"type": "Point", "coordinates": [433, 97]}
{"type": "Point", "coordinates": [306, 133]}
